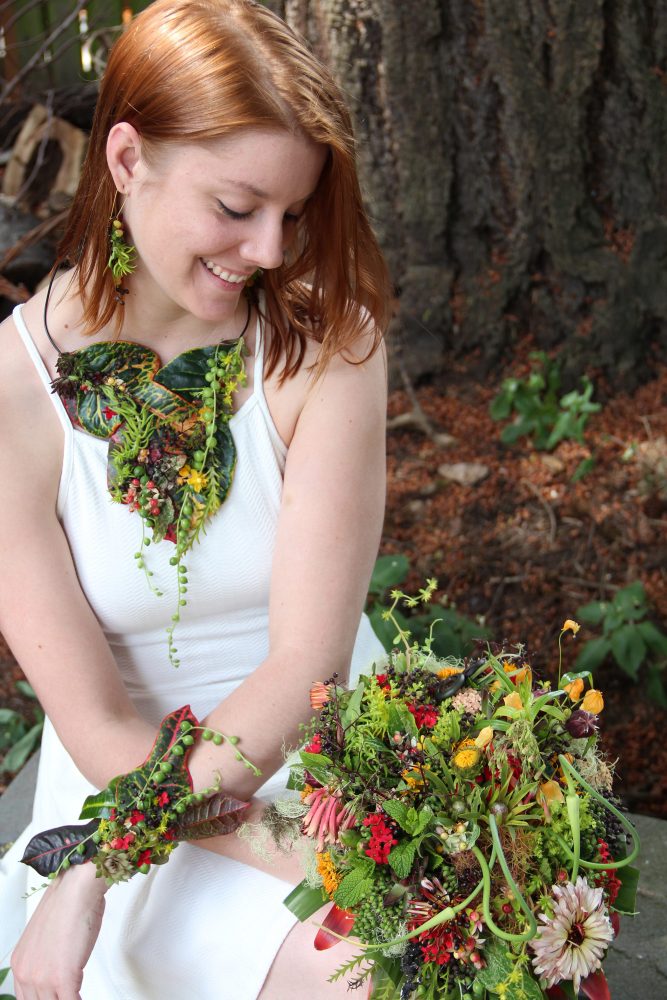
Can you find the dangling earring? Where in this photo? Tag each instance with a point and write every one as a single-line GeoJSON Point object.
{"type": "Point", "coordinates": [255, 276]}
{"type": "Point", "coordinates": [122, 259]}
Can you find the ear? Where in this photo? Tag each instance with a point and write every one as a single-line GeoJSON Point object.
{"type": "Point", "coordinates": [124, 156]}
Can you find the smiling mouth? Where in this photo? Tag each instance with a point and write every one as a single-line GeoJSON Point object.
{"type": "Point", "coordinates": [233, 279]}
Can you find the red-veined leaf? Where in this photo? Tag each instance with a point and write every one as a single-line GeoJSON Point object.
{"type": "Point", "coordinates": [595, 986]}
{"type": "Point", "coordinates": [337, 920]}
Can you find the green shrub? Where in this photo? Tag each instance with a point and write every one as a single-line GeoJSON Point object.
{"type": "Point", "coordinates": [627, 635]}
{"type": "Point", "coordinates": [18, 736]}
{"type": "Point", "coordinates": [540, 412]}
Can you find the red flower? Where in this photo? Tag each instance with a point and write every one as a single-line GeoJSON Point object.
{"type": "Point", "coordinates": [109, 413]}
{"type": "Point", "coordinates": [315, 745]}
{"type": "Point", "coordinates": [169, 835]}
{"type": "Point", "coordinates": [163, 799]}
{"type": "Point", "coordinates": [144, 858]}
{"type": "Point", "coordinates": [382, 838]}
{"type": "Point", "coordinates": [170, 533]}
{"type": "Point", "coordinates": [425, 715]}
{"type": "Point", "coordinates": [136, 817]}
{"type": "Point", "coordinates": [122, 843]}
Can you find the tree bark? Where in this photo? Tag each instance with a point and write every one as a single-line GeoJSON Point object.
{"type": "Point", "coordinates": [513, 156]}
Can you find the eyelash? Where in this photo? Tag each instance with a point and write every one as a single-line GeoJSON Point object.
{"type": "Point", "coordinates": [240, 216]}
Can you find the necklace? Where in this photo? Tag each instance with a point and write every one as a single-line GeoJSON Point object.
{"type": "Point", "coordinates": [171, 452]}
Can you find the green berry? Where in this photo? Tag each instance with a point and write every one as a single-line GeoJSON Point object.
{"type": "Point", "coordinates": [188, 740]}
{"type": "Point", "coordinates": [218, 738]}
{"type": "Point", "coordinates": [207, 734]}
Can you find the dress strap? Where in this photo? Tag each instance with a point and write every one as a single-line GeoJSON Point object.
{"type": "Point", "coordinates": [40, 367]}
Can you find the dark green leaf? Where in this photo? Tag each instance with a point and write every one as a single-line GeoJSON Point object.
{"type": "Point", "coordinates": [593, 654]}
{"type": "Point", "coordinates": [625, 901]}
{"type": "Point", "coordinates": [397, 811]}
{"type": "Point", "coordinates": [224, 459]}
{"type": "Point", "coordinates": [19, 753]}
{"type": "Point", "coordinates": [655, 687]}
{"type": "Point", "coordinates": [629, 649]}
{"type": "Point", "coordinates": [388, 572]}
{"type": "Point", "coordinates": [98, 805]}
{"type": "Point", "coordinates": [27, 690]}
{"type": "Point", "coordinates": [593, 613]}
{"type": "Point", "coordinates": [3, 975]}
{"type": "Point", "coordinates": [47, 850]}
{"type": "Point", "coordinates": [653, 637]}
{"type": "Point", "coordinates": [585, 466]}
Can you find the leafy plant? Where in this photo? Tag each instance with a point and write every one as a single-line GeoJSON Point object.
{"type": "Point", "coordinates": [628, 636]}
{"type": "Point", "coordinates": [453, 633]}
{"type": "Point", "coordinates": [541, 413]}
{"type": "Point", "coordinates": [18, 736]}
{"type": "Point", "coordinates": [5, 996]}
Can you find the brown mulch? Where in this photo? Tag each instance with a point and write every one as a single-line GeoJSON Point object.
{"type": "Point", "coordinates": [527, 546]}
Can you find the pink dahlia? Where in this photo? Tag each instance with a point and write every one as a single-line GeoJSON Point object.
{"type": "Point", "coordinates": [573, 941]}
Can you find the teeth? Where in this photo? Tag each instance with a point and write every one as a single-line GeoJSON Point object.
{"type": "Point", "coordinates": [236, 279]}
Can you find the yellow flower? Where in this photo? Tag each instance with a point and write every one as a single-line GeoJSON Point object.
{"type": "Point", "coordinates": [449, 672]}
{"type": "Point", "coordinates": [548, 792]}
{"type": "Point", "coordinates": [330, 877]}
{"type": "Point", "coordinates": [484, 737]}
{"type": "Point", "coordinates": [521, 672]}
{"type": "Point", "coordinates": [575, 689]}
{"type": "Point", "coordinates": [197, 480]}
{"type": "Point", "coordinates": [467, 757]}
{"type": "Point", "coordinates": [185, 471]}
{"type": "Point", "coordinates": [593, 702]}
{"type": "Point", "coordinates": [513, 700]}
{"type": "Point", "coordinates": [570, 626]}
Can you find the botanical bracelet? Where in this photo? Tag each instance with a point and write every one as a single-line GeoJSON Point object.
{"type": "Point", "coordinates": [140, 817]}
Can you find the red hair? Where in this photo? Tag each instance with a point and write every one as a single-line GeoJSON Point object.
{"type": "Point", "coordinates": [196, 70]}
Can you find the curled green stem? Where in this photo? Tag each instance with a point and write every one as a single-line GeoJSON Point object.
{"type": "Point", "coordinates": [572, 775]}
{"type": "Point", "coordinates": [531, 930]}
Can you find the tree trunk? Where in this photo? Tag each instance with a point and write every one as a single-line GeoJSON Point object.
{"type": "Point", "coordinates": [513, 155]}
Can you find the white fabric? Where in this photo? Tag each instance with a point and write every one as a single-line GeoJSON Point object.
{"type": "Point", "coordinates": [202, 926]}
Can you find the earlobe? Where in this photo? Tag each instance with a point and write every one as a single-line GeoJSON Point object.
{"type": "Point", "coordinates": [124, 150]}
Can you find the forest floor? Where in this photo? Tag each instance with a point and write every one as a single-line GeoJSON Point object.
{"type": "Point", "coordinates": [526, 546]}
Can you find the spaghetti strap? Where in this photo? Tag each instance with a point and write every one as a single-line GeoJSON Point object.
{"type": "Point", "coordinates": [40, 367]}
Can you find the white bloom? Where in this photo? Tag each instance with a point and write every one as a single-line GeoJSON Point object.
{"type": "Point", "coordinates": [572, 943]}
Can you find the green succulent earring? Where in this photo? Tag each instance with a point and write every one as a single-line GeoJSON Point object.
{"type": "Point", "coordinates": [122, 259]}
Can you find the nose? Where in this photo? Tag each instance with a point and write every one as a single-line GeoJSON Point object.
{"type": "Point", "coordinates": [264, 242]}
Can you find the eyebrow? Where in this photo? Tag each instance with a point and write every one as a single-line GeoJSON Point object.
{"type": "Point", "coordinates": [258, 192]}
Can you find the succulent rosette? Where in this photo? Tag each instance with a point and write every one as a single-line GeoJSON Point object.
{"type": "Point", "coordinates": [463, 827]}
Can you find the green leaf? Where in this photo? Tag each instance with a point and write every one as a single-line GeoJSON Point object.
{"type": "Point", "coordinates": [593, 613]}
{"type": "Point", "coordinates": [98, 805]}
{"type": "Point", "coordinates": [585, 466]}
{"type": "Point", "coordinates": [19, 753]}
{"type": "Point", "coordinates": [397, 811]}
{"type": "Point", "coordinates": [499, 964]}
{"type": "Point", "coordinates": [402, 857]}
{"type": "Point", "coordinates": [501, 405]}
{"type": "Point", "coordinates": [28, 691]}
{"type": "Point", "coordinates": [653, 637]}
{"type": "Point", "coordinates": [354, 887]}
{"type": "Point", "coordinates": [3, 975]}
{"type": "Point", "coordinates": [388, 572]}
{"type": "Point", "coordinates": [303, 900]}
{"type": "Point", "coordinates": [353, 706]}
{"type": "Point", "coordinates": [593, 654]}
{"type": "Point", "coordinates": [631, 601]}
{"type": "Point", "coordinates": [625, 901]}
{"type": "Point", "coordinates": [655, 687]}
{"type": "Point", "coordinates": [629, 649]}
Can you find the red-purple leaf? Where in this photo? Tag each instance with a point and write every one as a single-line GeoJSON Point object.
{"type": "Point", "coordinates": [340, 921]}
{"type": "Point", "coordinates": [47, 850]}
{"type": "Point", "coordinates": [595, 986]}
{"type": "Point", "coordinates": [218, 814]}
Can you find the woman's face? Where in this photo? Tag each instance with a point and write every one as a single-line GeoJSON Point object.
{"type": "Point", "coordinates": [204, 217]}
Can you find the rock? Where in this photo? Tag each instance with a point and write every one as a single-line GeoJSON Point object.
{"type": "Point", "coordinates": [464, 473]}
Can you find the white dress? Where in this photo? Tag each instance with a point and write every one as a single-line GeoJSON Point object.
{"type": "Point", "coordinates": [201, 927]}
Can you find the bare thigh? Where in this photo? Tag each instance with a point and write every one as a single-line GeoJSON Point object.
{"type": "Point", "coordinates": [299, 972]}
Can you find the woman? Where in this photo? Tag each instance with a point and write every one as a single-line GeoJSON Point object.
{"type": "Point", "coordinates": [220, 148]}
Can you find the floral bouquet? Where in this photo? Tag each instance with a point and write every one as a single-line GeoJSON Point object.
{"type": "Point", "coordinates": [464, 826]}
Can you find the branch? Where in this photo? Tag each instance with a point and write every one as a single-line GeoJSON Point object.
{"type": "Point", "coordinates": [41, 51]}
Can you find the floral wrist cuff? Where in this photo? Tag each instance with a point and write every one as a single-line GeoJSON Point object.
{"type": "Point", "coordinates": [140, 817]}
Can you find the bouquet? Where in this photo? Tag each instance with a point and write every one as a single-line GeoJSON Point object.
{"type": "Point", "coordinates": [463, 824]}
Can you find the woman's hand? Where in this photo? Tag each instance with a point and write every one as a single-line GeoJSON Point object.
{"type": "Point", "coordinates": [49, 960]}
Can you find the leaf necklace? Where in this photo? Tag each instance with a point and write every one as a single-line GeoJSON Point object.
{"type": "Point", "coordinates": [171, 453]}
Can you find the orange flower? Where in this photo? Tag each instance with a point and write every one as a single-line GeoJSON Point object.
{"type": "Point", "coordinates": [319, 695]}
{"type": "Point", "coordinates": [513, 700]}
{"type": "Point", "coordinates": [593, 702]}
{"type": "Point", "coordinates": [575, 689]}
{"type": "Point", "coordinates": [445, 672]}
{"type": "Point", "coordinates": [570, 626]}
